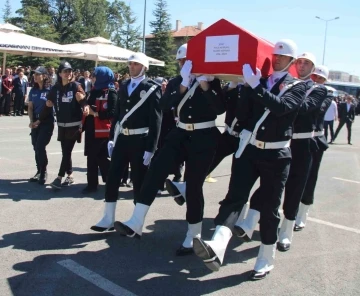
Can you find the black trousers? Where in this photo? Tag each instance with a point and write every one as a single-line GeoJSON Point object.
{"type": "Point", "coordinates": [348, 126]}
{"type": "Point", "coordinates": [127, 149]}
{"type": "Point", "coordinates": [245, 170]}
{"type": "Point", "coordinates": [329, 124]}
{"type": "Point", "coordinates": [67, 147]}
{"type": "Point", "coordinates": [5, 102]}
{"type": "Point", "coordinates": [227, 145]}
{"type": "Point", "coordinates": [18, 103]}
{"type": "Point", "coordinates": [197, 148]}
{"type": "Point", "coordinates": [97, 159]}
{"type": "Point", "coordinates": [308, 196]}
{"type": "Point", "coordinates": [40, 138]}
{"type": "Point", "coordinates": [299, 173]}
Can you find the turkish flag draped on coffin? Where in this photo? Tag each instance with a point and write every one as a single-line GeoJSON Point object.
{"type": "Point", "coordinates": [223, 48]}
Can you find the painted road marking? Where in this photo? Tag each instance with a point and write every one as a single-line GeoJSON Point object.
{"type": "Point", "coordinates": [346, 180]}
{"type": "Point", "coordinates": [95, 278]}
{"type": "Point", "coordinates": [334, 225]}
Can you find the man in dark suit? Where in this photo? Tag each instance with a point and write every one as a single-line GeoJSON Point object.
{"type": "Point", "coordinates": [19, 92]}
{"type": "Point", "coordinates": [346, 115]}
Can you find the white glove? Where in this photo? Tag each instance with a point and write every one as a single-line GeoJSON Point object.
{"type": "Point", "coordinates": [205, 78]}
{"type": "Point", "coordinates": [147, 157]}
{"type": "Point", "coordinates": [110, 147]}
{"type": "Point", "coordinates": [186, 73]}
{"type": "Point", "coordinates": [250, 78]}
{"type": "Point", "coordinates": [233, 84]}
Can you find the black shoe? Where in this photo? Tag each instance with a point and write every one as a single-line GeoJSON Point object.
{"type": "Point", "coordinates": [56, 184]}
{"type": "Point", "coordinates": [129, 184]}
{"type": "Point", "coordinates": [125, 230]}
{"type": "Point", "coordinates": [101, 229]}
{"type": "Point", "coordinates": [122, 184]}
{"type": "Point", "coordinates": [239, 232]}
{"type": "Point", "coordinates": [88, 190]}
{"type": "Point", "coordinates": [68, 181]}
{"type": "Point", "coordinates": [257, 275]}
{"type": "Point", "coordinates": [298, 228]}
{"type": "Point", "coordinates": [43, 178]}
{"type": "Point", "coordinates": [173, 191]}
{"type": "Point", "coordinates": [283, 247]}
{"type": "Point", "coordinates": [35, 178]}
{"type": "Point", "coordinates": [349, 143]}
{"type": "Point", "coordinates": [182, 251]}
{"type": "Point", "coordinates": [204, 251]}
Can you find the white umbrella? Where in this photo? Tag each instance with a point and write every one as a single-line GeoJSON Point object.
{"type": "Point", "coordinates": [13, 41]}
{"type": "Point", "coordinates": [99, 49]}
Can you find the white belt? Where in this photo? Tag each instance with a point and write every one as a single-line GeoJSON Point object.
{"type": "Point", "coordinates": [318, 134]}
{"type": "Point", "coordinates": [137, 131]}
{"type": "Point", "coordinates": [69, 124]}
{"type": "Point", "coordinates": [269, 145]}
{"type": "Point", "coordinates": [231, 132]}
{"type": "Point", "coordinates": [303, 135]}
{"type": "Point", "coordinates": [196, 126]}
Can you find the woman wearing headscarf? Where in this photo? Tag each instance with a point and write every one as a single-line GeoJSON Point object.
{"type": "Point", "coordinates": [98, 115]}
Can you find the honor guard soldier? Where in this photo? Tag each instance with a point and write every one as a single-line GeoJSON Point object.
{"type": "Point", "coordinates": [264, 151]}
{"type": "Point", "coordinates": [134, 134]}
{"type": "Point", "coordinates": [227, 144]}
{"type": "Point", "coordinates": [302, 147]}
{"type": "Point", "coordinates": [198, 101]}
{"type": "Point", "coordinates": [319, 76]}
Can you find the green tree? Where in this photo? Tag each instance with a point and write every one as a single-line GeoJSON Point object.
{"type": "Point", "coordinates": [7, 11]}
{"type": "Point", "coordinates": [129, 32]}
{"type": "Point", "coordinates": [161, 45]}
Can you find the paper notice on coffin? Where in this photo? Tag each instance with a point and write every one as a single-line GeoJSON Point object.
{"type": "Point", "coordinates": [222, 48]}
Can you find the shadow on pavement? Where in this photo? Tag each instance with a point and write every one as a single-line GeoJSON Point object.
{"type": "Point", "coordinates": [144, 267]}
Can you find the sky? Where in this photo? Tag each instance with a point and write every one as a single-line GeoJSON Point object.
{"type": "Point", "coordinates": [274, 20]}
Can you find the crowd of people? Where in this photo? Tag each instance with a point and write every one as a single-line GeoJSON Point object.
{"type": "Point", "coordinates": [274, 128]}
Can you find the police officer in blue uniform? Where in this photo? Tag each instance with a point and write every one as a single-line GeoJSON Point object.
{"type": "Point", "coordinates": [198, 101]}
{"type": "Point", "coordinates": [41, 132]}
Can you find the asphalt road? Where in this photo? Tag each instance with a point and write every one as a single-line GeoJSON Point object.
{"type": "Point", "coordinates": [47, 248]}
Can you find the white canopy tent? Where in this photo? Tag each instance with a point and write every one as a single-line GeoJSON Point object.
{"type": "Point", "coordinates": [14, 41]}
{"type": "Point", "coordinates": [99, 49]}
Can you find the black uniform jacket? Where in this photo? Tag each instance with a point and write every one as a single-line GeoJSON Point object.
{"type": "Point", "coordinates": [108, 113]}
{"type": "Point", "coordinates": [148, 115]}
{"type": "Point", "coordinates": [278, 125]}
{"type": "Point", "coordinates": [203, 106]}
{"type": "Point", "coordinates": [321, 140]}
{"type": "Point", "coordinates": [233, 101]}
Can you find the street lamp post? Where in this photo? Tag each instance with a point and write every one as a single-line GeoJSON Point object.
{"type": "Point", "coordinates": [326, 24]}
{"type": "Point", "coordinates": [143, 46]}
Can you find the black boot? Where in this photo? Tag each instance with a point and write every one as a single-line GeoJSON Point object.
{"type": "Point", "coordinates": [35, 178]}
{"type": "Point", "coordinates": [42, 177]}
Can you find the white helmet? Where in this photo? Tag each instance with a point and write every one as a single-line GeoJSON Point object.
{"type": "Point", "coordinates": [322, 71]}
{"type": "Point", "coordinates": [308, 56]}
{"type": "Point", "coordinates": [140, 58]}
{"type": "Point", "coordinates": [285, 47]}
{"type": "Point", "coordinates": [181, 53]}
